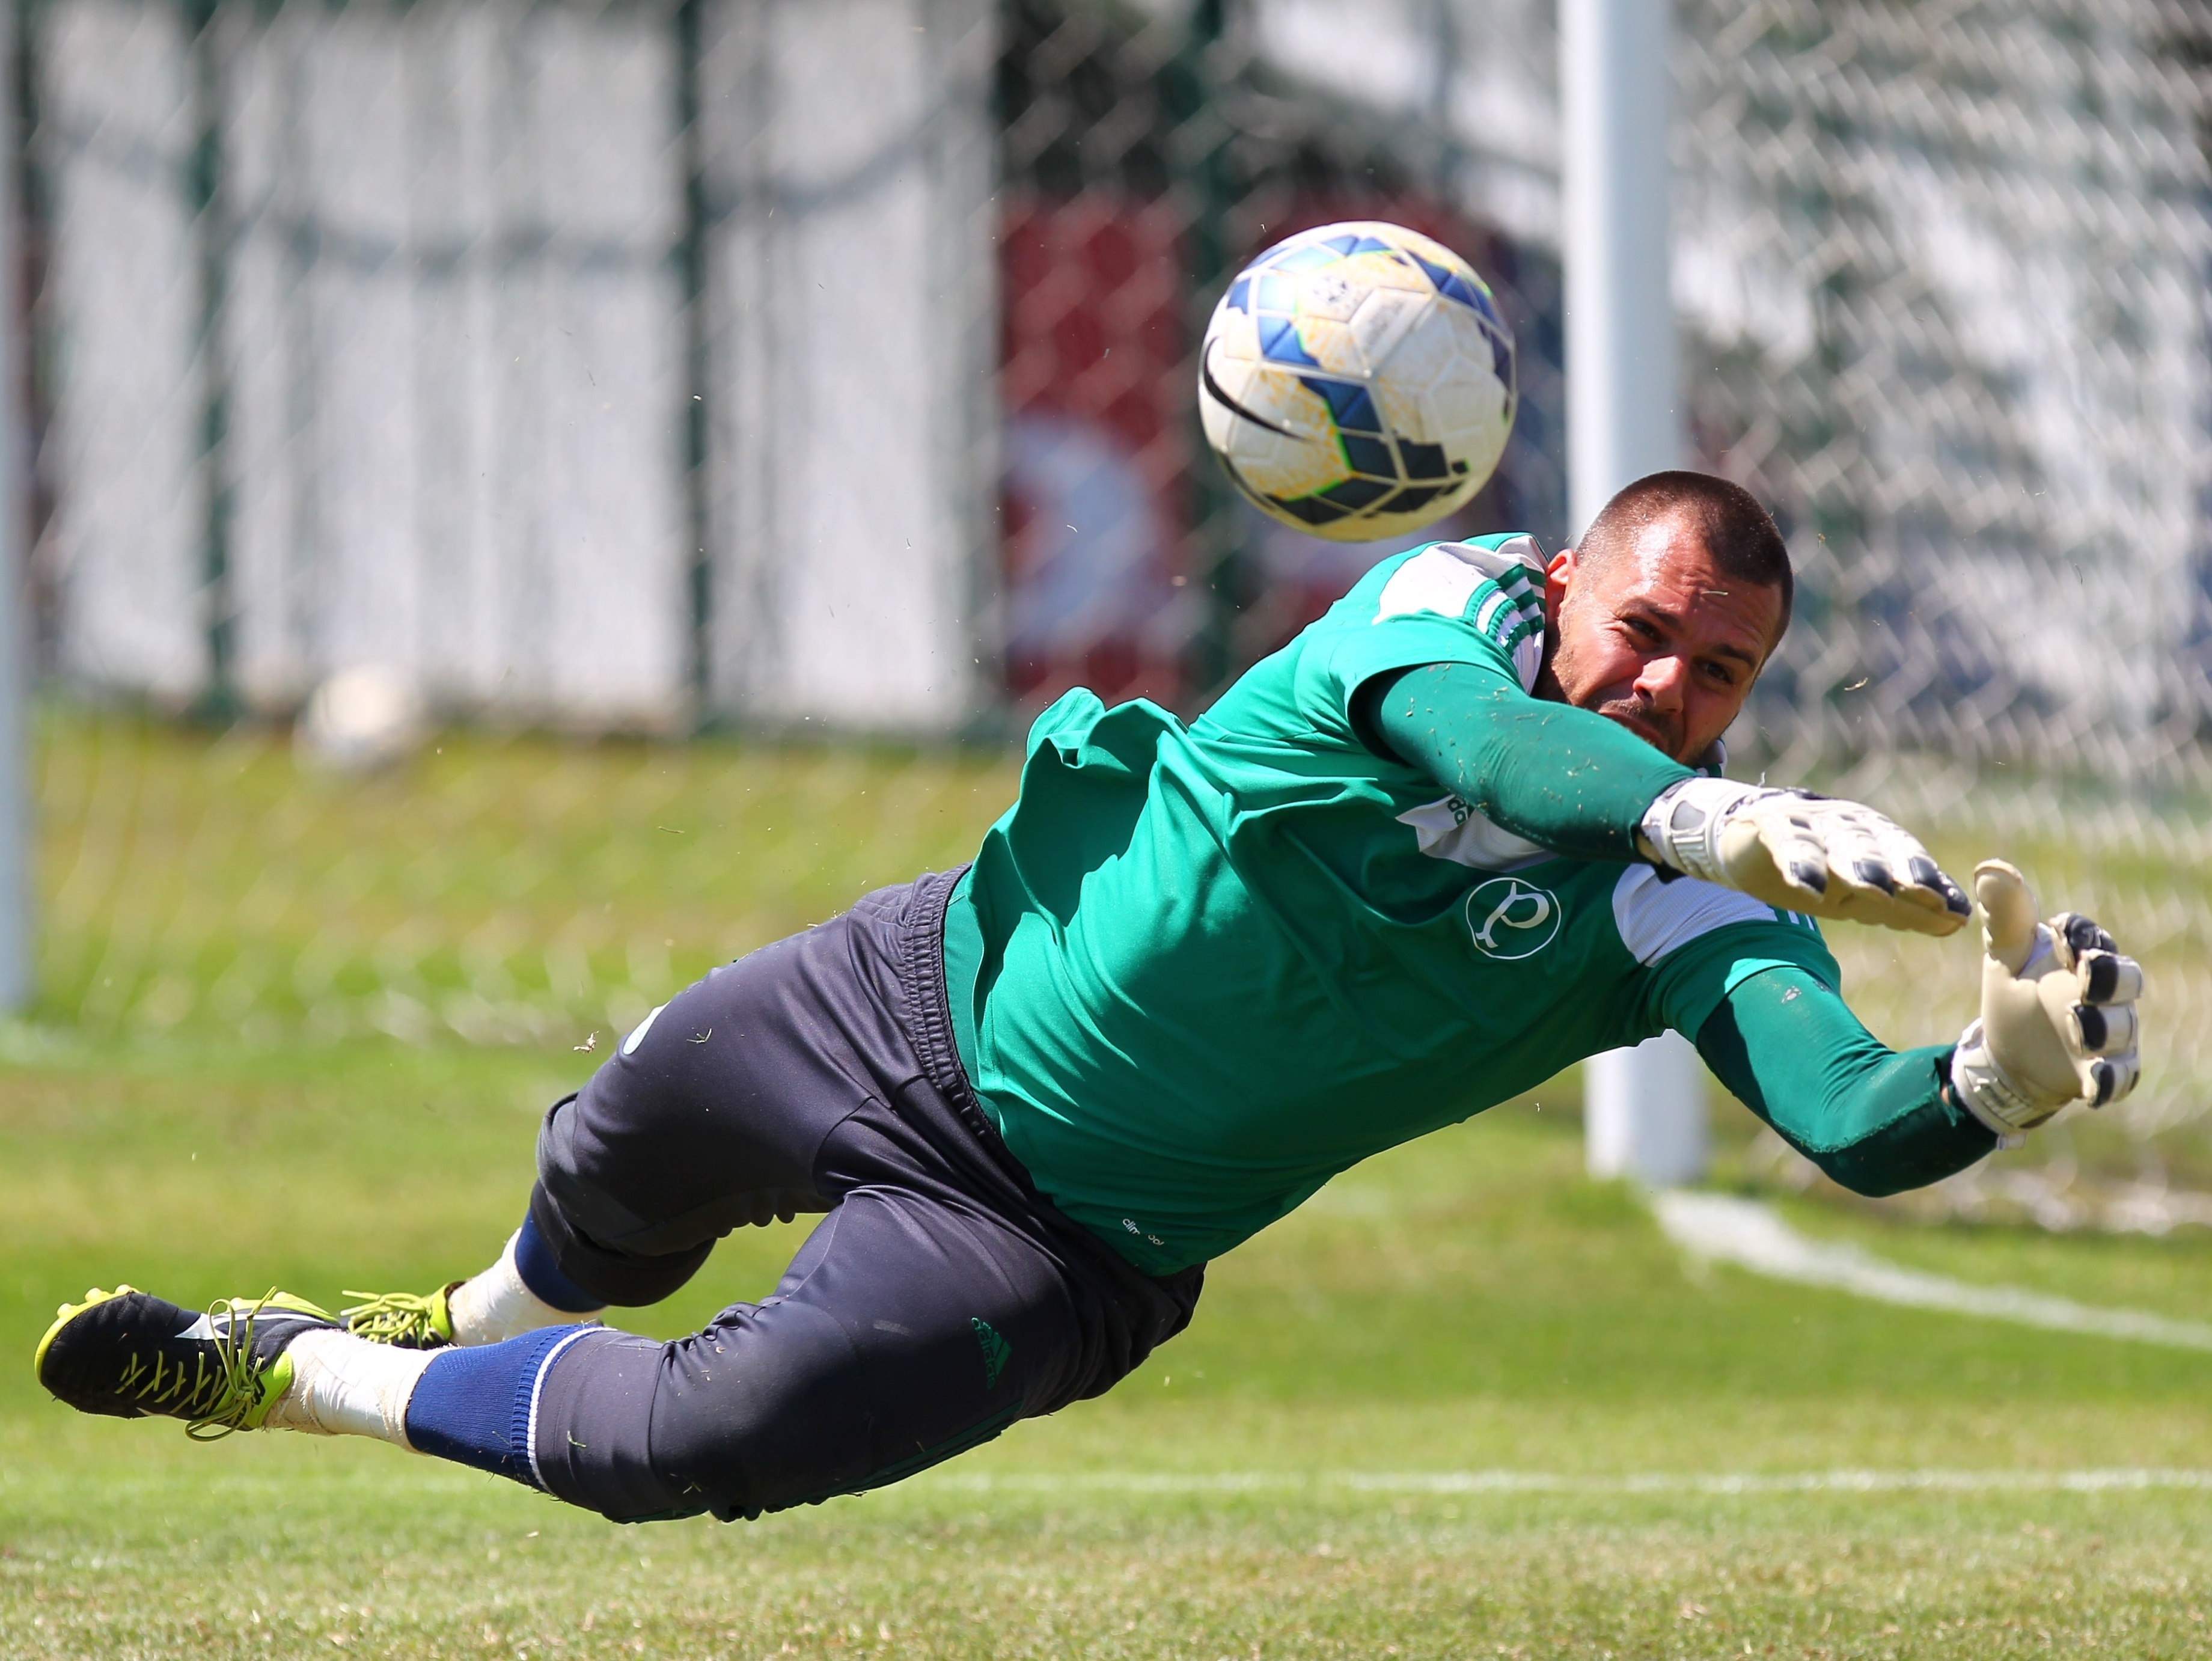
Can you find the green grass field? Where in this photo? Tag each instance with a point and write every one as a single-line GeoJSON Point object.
{"type": "Point", "coordinates": [1466, 1404]}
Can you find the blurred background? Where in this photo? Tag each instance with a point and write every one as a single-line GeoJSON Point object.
{"type": "Point", "coordinates": [525, 500]}
{"type": "Point", "coordinates": [712, 428]}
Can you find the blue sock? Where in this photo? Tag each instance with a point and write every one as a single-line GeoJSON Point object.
{"type": "Point", "coordinates": [473, 1406]}
{"type": "Point", "coordinates": [533, 1260]}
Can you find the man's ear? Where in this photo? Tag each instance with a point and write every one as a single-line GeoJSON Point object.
{"type": "Point", "coordinates": [1559, 578]}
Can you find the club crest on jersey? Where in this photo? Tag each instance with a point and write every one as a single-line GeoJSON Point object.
{"type": "Point", "coordinates": [1510, 919]}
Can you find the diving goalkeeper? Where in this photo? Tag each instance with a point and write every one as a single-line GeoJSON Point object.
{"type": "Point", "coordinates": [1464, 831]}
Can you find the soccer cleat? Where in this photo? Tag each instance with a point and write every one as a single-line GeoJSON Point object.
{"type": "Point", "coordinates": [404, 1320]}
{"type": "Point", "coordinates": [128, 1354]}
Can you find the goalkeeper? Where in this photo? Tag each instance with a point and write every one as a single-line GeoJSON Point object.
{"type": "Point", "coordinates": [1463, 831]}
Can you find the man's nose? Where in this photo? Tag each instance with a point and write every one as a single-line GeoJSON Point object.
{"type": "Point", "coordinates": [1662, 681]}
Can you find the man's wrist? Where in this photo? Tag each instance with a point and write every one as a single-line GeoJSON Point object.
{"type": "Point", "coordinates": [1978, 1085]}
{"type": "Point", "coordinates": [1680, 832]}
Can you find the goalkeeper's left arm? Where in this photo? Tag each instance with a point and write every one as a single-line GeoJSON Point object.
{"type": "Point", "coordinates": [1876, 1120]}
{"type": "Point", "coordinates": [2058, 1026]}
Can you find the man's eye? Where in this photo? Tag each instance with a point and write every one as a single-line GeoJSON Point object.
{"type": "Point", "coordinates": [1644, 629]}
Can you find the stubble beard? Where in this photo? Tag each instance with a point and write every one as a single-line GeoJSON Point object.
{"type": "Point", "coordinates": [1662, 732]}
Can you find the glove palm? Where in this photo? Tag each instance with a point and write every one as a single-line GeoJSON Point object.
{"type": "Point", "coordinates": [2059, 1017]}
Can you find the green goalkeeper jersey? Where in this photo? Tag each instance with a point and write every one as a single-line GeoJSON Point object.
{"type": "Point", "coordinates": [1195, 972]}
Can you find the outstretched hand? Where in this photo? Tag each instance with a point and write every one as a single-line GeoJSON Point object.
{"type": "Point", "coordinates": [1799, 852]}
{"type": "Point", "coordinates": [2058, 1012]}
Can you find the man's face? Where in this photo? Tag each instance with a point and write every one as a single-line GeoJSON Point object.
{"type": "Point", "coordinates": [1656, 639]}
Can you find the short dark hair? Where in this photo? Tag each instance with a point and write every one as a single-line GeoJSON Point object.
{"type": "Point", "coordinates": [1737, 532]}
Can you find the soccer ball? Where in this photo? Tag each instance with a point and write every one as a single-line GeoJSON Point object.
{"type": "Point", "coordinates": [1356, 382]}
{"type": "Point", "coordinates": [361, 719]}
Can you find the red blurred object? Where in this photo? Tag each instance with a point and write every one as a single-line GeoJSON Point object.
{"type": "Point", "coordinates": [1099, 447]}
{"type": "Point", "coordinates": [1101, 437]}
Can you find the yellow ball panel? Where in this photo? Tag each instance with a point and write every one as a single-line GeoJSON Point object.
{"type": "Point", "coordinates": [1334, 346]}
{"type": "Point", "coordinates": [1232, 337]}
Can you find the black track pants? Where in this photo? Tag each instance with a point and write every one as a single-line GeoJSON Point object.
{"type": "Point", "coordinates": [940, 1299]}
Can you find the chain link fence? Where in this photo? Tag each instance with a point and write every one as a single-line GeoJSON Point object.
{"type": "Point", "coordinates": [494, 889]}
{"type": "Point", "coordinates": [1148, 152]}
{"type": "Point", "coordinates": [646, 366]}
{"type": "Point", "coordinates": [1944, 274]}
{"type": "Point", "coordinates": [613, 365]}
{"type": "Point", "coordinates": [655, 366]}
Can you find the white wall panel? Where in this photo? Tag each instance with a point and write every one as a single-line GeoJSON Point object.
{"type": "Point", "coordinates": [454, 353]}
{"type": "Point", "coordinates": [125, 546]}
{"type": "Point", "coordinates": [851, 347]}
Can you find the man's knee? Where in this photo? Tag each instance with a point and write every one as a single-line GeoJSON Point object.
{"type": "Point", "coordinates": [592, 1434]}
{"type": "Point", "coordinates": [768, 1408]}
{"type": "Point", "coordinates": [630, 1214]}
{"type": "Point", "coordinates": [607, 1273]}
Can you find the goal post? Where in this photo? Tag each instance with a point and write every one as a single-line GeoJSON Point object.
{"type": "Point", "coordinates": [16, 961]}
{"type": "Point", "coordinates": [1645, 1110]}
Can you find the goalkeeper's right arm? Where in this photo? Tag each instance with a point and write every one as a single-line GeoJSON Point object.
{"type": "Point", "coordinates": [2058, 1026]}
{"type": "Point", "coordinates": [1575, 783]}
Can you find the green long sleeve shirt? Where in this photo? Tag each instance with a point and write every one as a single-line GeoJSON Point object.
{"type": "Point", "coordinates": [1196, 971]}
{"type": "Point", "coordinates": [1785, 1043]}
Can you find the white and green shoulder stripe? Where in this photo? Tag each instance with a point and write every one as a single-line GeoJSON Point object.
{"type": "Point", "coordinates": [1655, 918]}
{"type": "Point", "coordinates": [1500, 591]}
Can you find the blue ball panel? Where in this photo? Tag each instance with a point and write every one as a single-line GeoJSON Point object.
{"type": "Point", "coordinates": [1368, 455]}
{"type": "Point", "coordinates": [1312, 509]}
{"type": "Point", "coordinates": [1280, 341]}
{"type": "Point", "coordinates": [1350, 406]}
{"type": "Point", "coordinates": [1312, 258]}
{"type": "Point", "coordinates": [1452, 286]}
{"type": "Point", "coordinates": [1422, 460]}
{"type": "Point", "coordinates": [1354, 494]}
{"type": "Point", "coordinates": [1417, 495]}
{"type": "Point", "coordinates": [1455, 287]}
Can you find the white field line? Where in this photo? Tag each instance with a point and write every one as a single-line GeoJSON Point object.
{"type": "Point", "coordinates": [1537, 1481]}
{"type": "Point", "coordinates": [1723, 1229]}
{"type": "Point", "coordinates": [419, 1477]}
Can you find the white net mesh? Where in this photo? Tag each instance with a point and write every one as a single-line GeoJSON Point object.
{"type": "Point", "coordinates": [1944, 270]}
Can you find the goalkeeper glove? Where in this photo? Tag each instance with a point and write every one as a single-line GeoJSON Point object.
{"type": "Point", "coordinates": [2058, 1013]}
{"type": "Point", "coordinates": [1799, 852]}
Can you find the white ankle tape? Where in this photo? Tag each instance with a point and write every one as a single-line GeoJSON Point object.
{"type": "Point", "coordinates": [343, 1386]}
{"type": "Point", "coordinates": [495, 1305]}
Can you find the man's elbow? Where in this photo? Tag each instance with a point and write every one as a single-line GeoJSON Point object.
{"type": "Point", "coordinates": [1869, 1179]}
{"type": "Point", "coordinates": [1882, 1165]}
